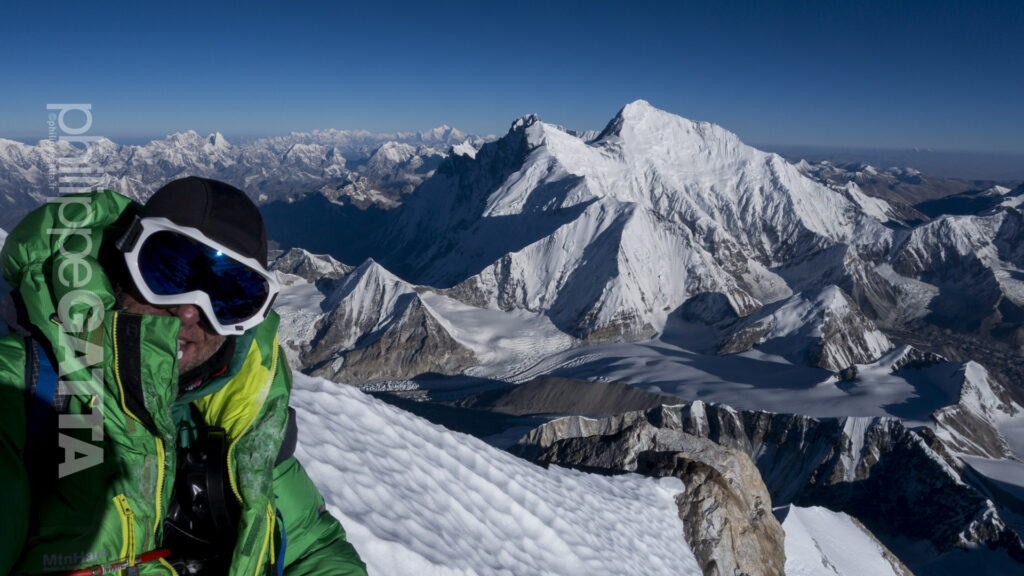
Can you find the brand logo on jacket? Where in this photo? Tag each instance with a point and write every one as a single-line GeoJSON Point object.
{"type": "Point", "coordinates": [57, 561]}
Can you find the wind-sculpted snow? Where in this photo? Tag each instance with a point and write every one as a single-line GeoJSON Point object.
{"type": "Point", "coordinates": [416, 498]}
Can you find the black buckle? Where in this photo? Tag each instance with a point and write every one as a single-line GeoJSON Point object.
{"type": "Point", "coordinates": [127, 242]}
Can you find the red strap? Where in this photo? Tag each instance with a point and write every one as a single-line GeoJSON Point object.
{"type": "Point", "coordinates": [120, 564]}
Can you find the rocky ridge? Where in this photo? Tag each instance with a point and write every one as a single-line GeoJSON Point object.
{"type": "Point", "coordinates": [725, 509]}
{"type": "Point", "coordinates": [866, 467]}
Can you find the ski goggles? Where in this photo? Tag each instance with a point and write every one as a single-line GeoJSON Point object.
{"type": "Point", "coordinates": [176, 265]}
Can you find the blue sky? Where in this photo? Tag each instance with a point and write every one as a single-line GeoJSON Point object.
{"type": "Point", "coordinates": [945, 75]}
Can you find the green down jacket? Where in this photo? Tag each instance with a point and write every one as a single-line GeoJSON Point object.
{"type": "Point", "coordinates": [117, 433]}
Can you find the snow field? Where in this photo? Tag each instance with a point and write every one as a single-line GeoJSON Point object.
{"type": "Point", "coordinates": [416, 498]}
{"type": "Point", "coordinates": [298, 305]}
{"type": "Point", "coordinates": [820, 542]}
{"type": "Point", "coordinates": [503, 342]}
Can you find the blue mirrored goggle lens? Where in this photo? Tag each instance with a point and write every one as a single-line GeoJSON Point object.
{"type": "Point", "coordinates": [172, 264]}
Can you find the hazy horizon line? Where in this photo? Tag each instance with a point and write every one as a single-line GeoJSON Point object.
{"type": "Point", "coordinates": [968, 164]}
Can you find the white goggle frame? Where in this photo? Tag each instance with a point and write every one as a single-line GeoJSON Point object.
{"type": "Point", "coordinates": [143, 228]}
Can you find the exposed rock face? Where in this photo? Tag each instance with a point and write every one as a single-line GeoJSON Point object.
{"type": "Point", "coordinates": [414, 344]}
{"type": "Point", "coordinates": [897, 481]}
{"type": "Point", "coordinates": [379, 329]}
{"type": "Point", "coordinates": [726, 510]}
{"type": "Point", "coordinates": [968, 427]}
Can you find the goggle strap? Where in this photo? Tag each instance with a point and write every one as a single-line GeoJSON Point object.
{"type": "Point", "coordinates": [127, 242]}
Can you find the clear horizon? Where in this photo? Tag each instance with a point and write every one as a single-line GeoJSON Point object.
{"type": "Point", "coordinates": [936, 75]}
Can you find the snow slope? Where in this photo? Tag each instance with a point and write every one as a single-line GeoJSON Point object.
{"type": "Point", "coordinates": [755, 380]}
{"type": "Point", "coordinates": [826, 543]}
{"type": "Point", "coordinates": [416, 498]}
{"type": "Point", "coordinates": [421, 500]}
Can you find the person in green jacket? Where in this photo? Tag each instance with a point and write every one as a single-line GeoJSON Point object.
{"type": "Point", "coordinates": [144, 420]}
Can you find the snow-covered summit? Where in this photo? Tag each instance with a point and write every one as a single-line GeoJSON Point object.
{"type": "Point", "coordinates": [217, 140]}
{"type": "Point", "coordinates": [443, 133]}
{"type": "Point", "coordinates": [612, 234]}
{"type": "Point", "coordinates": [639, 121]}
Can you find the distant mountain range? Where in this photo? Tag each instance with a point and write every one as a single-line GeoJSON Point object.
{"type": "Point", "coordinates": [968, 166]}
{"type": "Point", "coordinates": [364, 167]}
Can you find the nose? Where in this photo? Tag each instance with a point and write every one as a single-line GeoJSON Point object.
{"type": "Point", "coordinates": [188, 313]}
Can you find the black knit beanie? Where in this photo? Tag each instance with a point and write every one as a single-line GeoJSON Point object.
{"type": "Point", "coordinates": [219, 210]}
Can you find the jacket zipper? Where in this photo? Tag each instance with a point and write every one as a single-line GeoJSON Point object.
{"type": "Point", "coordinates": [124, 509]}
{"type": "Point", "coordinates": [159, 485]}
{"type": "Point", "coordinates": [267, 540]}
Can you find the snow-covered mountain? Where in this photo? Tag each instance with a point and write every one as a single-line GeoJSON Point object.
{"type": "Point", "coordinates": [612, 237]}
{"type": "Point", "coordinates": [312, 268]}
{"type": "Point", "coordinates": [342, 163]}
{"type": "Point", "coordinates": [609, 236]}
{"type": "Point", "coordinates": [356, 324]}
{"type": "Point", "coordinates": [621, 235]}
{"type": "Point", "coordinates": [824, 329]}
{"type": "Point", "coordinates": [975, 259]}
